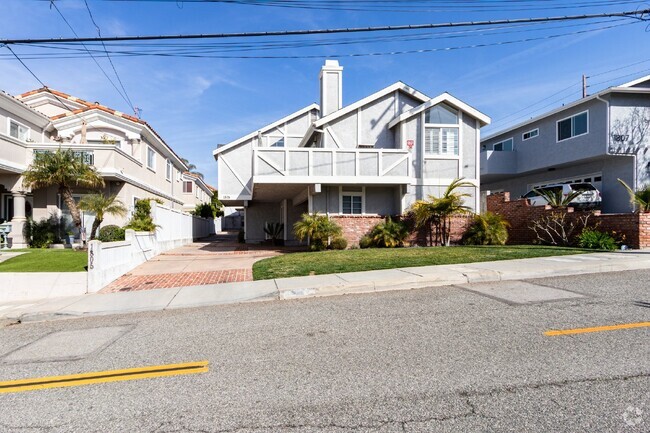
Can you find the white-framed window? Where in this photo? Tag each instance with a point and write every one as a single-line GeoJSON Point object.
{"type": "Point", "coordinates": [441, 141]}
{"type": "Point", "coordinates": [441, 130]}
{"type": "Point", "coordinates": [275, 141]}
{"type": "Point", "coordinates": [168, 170]}
{"type": "Point", "coordinates": [573, 126]}
{"type": "Point", "coordinates": [530, 134]}
{"type": "Point", "coordinates": [503, 146]}
{"type": "Point", "coordinates": [352, 200]}
{"type": "Point", "coordinates": [18, 130]}
{"type": "Point", "coordinates": [187, 186]}
{"type": "Point", "coordinates": [151, 158]}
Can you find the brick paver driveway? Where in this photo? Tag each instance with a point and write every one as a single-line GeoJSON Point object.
{"type": "Point", "coordinates": [219, 259]}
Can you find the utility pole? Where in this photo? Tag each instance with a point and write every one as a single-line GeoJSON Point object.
{"type": "Point", "coordinates": [584, 86]}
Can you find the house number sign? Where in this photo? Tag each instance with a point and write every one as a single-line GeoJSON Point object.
{"type": "Point", "coordinates": [620, 138]}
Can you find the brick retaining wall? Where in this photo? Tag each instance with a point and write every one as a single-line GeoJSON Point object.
{"type": "Point", "coordinates": [520, 214]}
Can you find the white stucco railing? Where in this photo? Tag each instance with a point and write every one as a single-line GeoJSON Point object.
{"type": "Point", "coordinates": [288, 163]}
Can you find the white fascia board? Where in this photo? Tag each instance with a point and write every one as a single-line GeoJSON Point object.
{"type": "Point", "coordinates": [12, 166]}
{"type": "Point", "coordinates": [134, 181]}
{"type": "Point", "coordinates": [264, 129]}
{"type": "Point", "coordinates": [308, 135]}
{"type": "Point", "coordinates": [23, 111]}
{"type": "Point", "coordinates": [567, 107]}
{"type": "Point", "coordinates": [368, 99]}
{"type": "Point", "coordinates": [635, 82]}
{"type": "Point", "coordinates": [444, 97]}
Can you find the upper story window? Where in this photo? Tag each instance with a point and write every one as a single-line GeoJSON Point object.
{"type": "Point", "coordinates": [440, 139]}
{"type": "Point", "coordinates": [530, 134]}
{"type": "Point", "coordinates": [503, 146]}
{"type": "Point", "coordinates": [87, 156]}
{"type": "Point", "coordinates": [168, 170]}
{"type": "Point", "coordinates": [151, 158]}
{"type": "Point", "coordinates": [441, 114]}
{"type": "Point", "coordinates": [187, 186]}
{"type": "Point", "coordinates": [573, 126]}
{"type": "Point", "coordinates": [275, 141]}
{"type": "Point", "coordinates": [18, 130]}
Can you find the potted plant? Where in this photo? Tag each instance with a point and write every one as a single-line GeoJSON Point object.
{"type": "Point", "coordinates": [275, 232]}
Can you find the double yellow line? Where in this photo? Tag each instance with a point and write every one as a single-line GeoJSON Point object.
{"type": "Point", "coordinates": [103, 377]}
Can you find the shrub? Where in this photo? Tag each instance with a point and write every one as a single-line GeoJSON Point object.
{"type": "Point", "coordinates": [204, 210]}
{"type": "Point", "coordinates": [141, 220]}
{"type": "Point", "coordinates": [45, 232]}
{"type": "Point", "coordinates": [487, 229]}
{"type": "Point", "coordinates": [111, 233]}
{"type": "Point", "coordinates": [339, 243]}
{"type": "Point", "coordinates": [365, 242]}
{"type": "Point", "coordinates": [597, 240]}
{"type": "Point", "coordinates": [274, 230]}
{"type": "Point", "coordinates": [389, 234]}
{"type": "Point", "coordinates": [318, 228]}
{"type": "Point", "coordinates": [558, 228]}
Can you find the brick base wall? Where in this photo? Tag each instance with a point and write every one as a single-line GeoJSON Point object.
{"type": "Point", "coordinates": [356, 226]}
{"type": "Point", "coordinates": [520, 214]}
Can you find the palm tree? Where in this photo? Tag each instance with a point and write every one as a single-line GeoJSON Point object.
{"type": "Point", "coordinates": [101, 205]}
{"type": "Point", "coordinates": [318, 229]}
{"type": "Point", "coordinates": [191, 168]}
{"type": "Point", "coordinates": [436, 213]}
{"type": "Point", "coordinates": [640, 197]}
{"type": "Point", "coordinates": [65, 170]}
{"type": "Point", "coordinates": [556, 198]}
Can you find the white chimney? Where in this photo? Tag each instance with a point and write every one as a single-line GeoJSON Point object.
{"type": "Point", "coordinates": [331, 87]}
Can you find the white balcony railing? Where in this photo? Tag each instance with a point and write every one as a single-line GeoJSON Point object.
{"type": "Point", "coordinates": [293, 164]}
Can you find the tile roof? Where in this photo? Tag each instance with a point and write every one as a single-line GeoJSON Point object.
{"type": "Point", "coordinates": [88, 106]}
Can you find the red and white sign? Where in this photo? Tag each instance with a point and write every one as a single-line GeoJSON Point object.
{"type": "Point", "coordinates": [410, 143]}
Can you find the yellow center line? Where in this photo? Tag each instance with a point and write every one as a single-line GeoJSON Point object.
{"type": "Point", "coordinates": [596, 329]}
{"type": "Point", "coordinates": [103, 377]}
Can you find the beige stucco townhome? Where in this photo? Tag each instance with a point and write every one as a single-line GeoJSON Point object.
{"type": "Point", "coordinates": [131, 156]}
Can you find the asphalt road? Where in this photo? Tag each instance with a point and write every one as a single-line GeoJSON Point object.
{"type": "Point", "coordinates": [440, 359]}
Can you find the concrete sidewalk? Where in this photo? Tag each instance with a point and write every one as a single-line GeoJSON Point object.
{"type": "Point", "coordinates": [323, 285]}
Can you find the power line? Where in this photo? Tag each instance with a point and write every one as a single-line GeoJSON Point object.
{"type": "Point", "coordinates": [52, 3]}
{"type": "Point", "coordinates": [637, 14]}
{"type": "Point", "coordinates": [99, 33]}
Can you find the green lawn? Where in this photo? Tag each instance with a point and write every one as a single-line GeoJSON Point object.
{"type": "Point", "coordinates": [329, 262]}
{"type": "Point", "coordinates": [46, 260]}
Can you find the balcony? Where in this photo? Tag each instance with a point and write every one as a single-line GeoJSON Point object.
{"type": "Point", "coordinates": [311, 165]}
{"type": "Point", "coordinates": [496, 163]}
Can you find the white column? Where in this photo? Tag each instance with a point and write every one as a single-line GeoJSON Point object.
{"type": "Point", "coordinates": [16, 238]}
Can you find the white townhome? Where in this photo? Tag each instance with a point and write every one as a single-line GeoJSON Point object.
{"type": "Point", "coordinates": [357, 163]}
{"type": "Point", "coordinates": [133, 159]}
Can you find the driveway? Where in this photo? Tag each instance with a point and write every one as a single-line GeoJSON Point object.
{"type": "Point", "coordinates": [214, 260]}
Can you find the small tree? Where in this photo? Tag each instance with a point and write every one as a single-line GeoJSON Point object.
{"type": "Point", "coordinates": [319, 229]}
{"type": "Point", "coordinates": [141, 220]}
{"type": "Point", "coordinates": [101, 205]}
{"type": "Point", "coordinates": [65, 170]}
{"type": "Point", "coordinates": [437, 213]}
{"type": "Point", "coordinates": [640, 198]}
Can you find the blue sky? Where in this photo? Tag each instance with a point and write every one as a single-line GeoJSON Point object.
{"type": "Point", "coordinates": [197, 103]}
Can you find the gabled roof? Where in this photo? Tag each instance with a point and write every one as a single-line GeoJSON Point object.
{"type": "Point", "coordinates": [368, 99]}
{"type": "Point", "coordinates": [36, 116]}
{"type": "Point", "coordinates": [89, 106]}
{"type": "Point", "coordinates": [262, 130]}
{"type": "Point", "coordinates": [635, 82]}
{"type": "Point", "coordinates": [447, 98]}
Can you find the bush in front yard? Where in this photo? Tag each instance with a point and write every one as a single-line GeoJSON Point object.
{"type": "Point", "coordinates": [45, 232]}
{"type": "Point", "coordinates": [141, 220]}
{"type": "Point", "coordinates": [365, 242]}
{"type": "Point", "coordinates": [318, 228]}
{"type": "Point", "coordinates": [389, 234]}
{"type": "Point", "coordinates": [111, 233]}
{"type": "Point", "coordinates": [596, 240]}
{"type": "Point", "coordinates": [487, 229]}
{"type": "Point", "coordinates": [339, 244]}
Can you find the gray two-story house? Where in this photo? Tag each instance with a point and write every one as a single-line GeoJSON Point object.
{"type": "Point", "coordinates": [374, 157]}
{"type": "Point", "coordinates": [596, 139]}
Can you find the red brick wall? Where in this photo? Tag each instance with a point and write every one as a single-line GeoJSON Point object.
{"type": "Point", "coordinates": [356, 226]}
{"type": "Point", "coordinates": [519, 213]}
